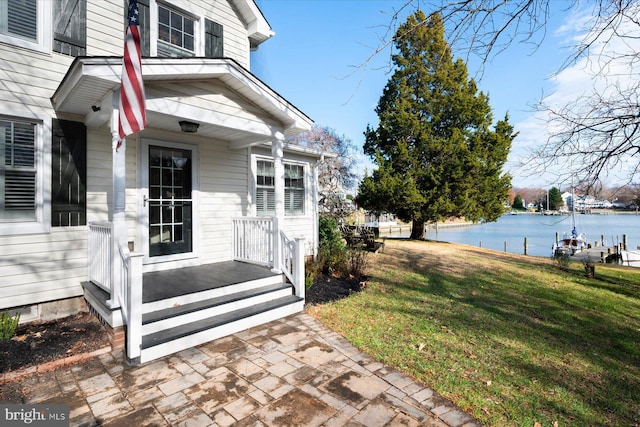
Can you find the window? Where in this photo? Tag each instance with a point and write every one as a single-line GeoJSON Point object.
{"type": "Point", "coordinates": [176, 33]}
{"type": "Point", "coordinates": [23, 23]}
{"type": "Point", "coordinates": [294, 191]}
{"type": "Point", "coordinates": [17, 171]}
{"type": "Point", "coordinates": [213, 43]}
{"type": "Point", "coordinates": [19, 18]}
{"type": "Point", "coordinates": [265, 188]}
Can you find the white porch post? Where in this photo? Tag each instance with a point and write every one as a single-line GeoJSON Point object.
{"type": "Point", "coordinates": [278, 220]}
{"type": "Point", "coordinates": [119, 201]}
{"type": "Point", "coordinates": [316, 212]}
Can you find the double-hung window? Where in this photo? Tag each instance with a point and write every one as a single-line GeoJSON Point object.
{"type": "Point", "coordinates": [176, 33]}
{"type": "Point", "coordinates": [23, 23]}
{"type": "Point", "coordinates": [265, 188]}
{"type": "Point", "coordinates": [167, 31]}
{"type": "Point", "coordinates": [17, 171]}
{"type": "Point", "coordinates": [294, 191]}
{"type": "Point", "coordinates": [19, 18]}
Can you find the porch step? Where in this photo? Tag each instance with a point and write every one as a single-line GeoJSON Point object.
{"type": "Point", "coordinates": [181, 314]}
{"type": "Point", "coordinates": [211, 293]}
{"type": "Point", "coordinates": [186, 335]}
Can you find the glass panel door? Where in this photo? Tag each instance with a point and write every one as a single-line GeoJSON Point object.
{"type": "Point", "coordinates": [170, 202]}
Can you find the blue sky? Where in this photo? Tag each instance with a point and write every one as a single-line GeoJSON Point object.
{"type": "Point", "coordinates": [312, 61]}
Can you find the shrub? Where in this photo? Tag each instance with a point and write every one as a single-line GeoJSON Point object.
{"type": "Point", "coordinates": [357, 262]}
{"type": "Point", "coordinates": [332, 251]}
{"type": "Point", "coordinates": [309, 273]}
{"type": "Point", "coordinates": [8, 325]}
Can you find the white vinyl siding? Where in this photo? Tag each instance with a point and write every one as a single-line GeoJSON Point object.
{"type": "Point", "coordinates": [222, 197]}
{"type": "Point", "coordinates": [46, 271]}
{"type": "Point", "coordinates": [105, 27]}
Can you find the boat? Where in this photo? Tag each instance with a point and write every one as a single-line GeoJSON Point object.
{"type": "Point", "coordinates": [631, 257]}
{"type": "Point", "coordinates": [575, 242]}
{"type": "Point", "coordinates": [569, 245]}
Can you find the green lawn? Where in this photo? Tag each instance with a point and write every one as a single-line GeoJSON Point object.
{"type": "Point", "coordinates": [511, 339]}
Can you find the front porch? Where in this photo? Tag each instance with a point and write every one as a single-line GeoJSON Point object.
{"type": "Point", "coordinates": [164, 312]}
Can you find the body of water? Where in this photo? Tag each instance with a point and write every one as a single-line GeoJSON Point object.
{"type": "Point", "coordinates": [540, 231]}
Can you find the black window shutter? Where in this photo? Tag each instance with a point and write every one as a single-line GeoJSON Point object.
{"type": "Point", "coordinates": [68, 174]}
{"type": "Point", "coordinates": [70, 27]}
{"type": "Point", "coordinates": [213, 43]}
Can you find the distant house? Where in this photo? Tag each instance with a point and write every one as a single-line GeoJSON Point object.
{"type": "Point", "coordinates": [568, 201]}
{"type": "Point", "coordinates": [137, 229]}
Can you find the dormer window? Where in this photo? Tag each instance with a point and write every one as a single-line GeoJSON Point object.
{"type": "Point", "coordinates": [176, 35]}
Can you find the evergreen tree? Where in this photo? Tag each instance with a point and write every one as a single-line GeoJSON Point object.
{"type": "Point", "coordinates": [517, 202]}
{"type": "Point", "coordinates": [555, 199]}
{"type": "Point", "coordinates": [436, 154]}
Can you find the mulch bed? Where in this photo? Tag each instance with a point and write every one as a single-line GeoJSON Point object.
{"type": "Point", "coordinates": [327, 288]}
{"type": "Point", "coordinates": [37, 343]}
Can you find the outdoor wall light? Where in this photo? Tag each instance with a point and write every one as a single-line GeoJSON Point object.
{"type": "Point", "coordinates": [189, 127]}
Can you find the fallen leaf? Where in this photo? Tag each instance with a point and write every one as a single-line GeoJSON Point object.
{"type": "Point", "coordinates": [421, 347]}
{"type": "Point", "coordinates": [489, 382]}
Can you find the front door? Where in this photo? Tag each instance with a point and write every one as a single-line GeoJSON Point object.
{"type": "Point", "coordinates": [170, 203]}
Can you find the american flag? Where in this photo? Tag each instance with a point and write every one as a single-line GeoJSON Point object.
{"type": "Point", "coordinates": [133, 117]}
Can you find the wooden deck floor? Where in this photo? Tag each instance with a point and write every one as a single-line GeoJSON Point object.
{"type": "Point", "coordinates": [159, 285]}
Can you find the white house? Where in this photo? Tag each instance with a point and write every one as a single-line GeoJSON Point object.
{"type": "Point", "coordinates": [195, 227]}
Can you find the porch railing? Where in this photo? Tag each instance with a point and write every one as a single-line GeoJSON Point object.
{"type": "Point", "coordinates": [130, 298]}
{"type": "Point", "coordinates": [253, 240]}
{"type": "Point", "coordinates": [119, 272]}
{"type": "Point", "coordinates": [292, 261]}
{"type": "Point", "coordinates": [100, 254]}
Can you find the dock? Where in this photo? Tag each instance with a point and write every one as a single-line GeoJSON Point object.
{"type": "Point", "coordinates": [598, 254]}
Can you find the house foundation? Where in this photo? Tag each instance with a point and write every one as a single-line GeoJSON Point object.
{"type": "Point", "coordinates": [51, 310]}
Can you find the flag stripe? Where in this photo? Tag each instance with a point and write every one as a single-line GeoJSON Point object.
{"type": "Point", "coordinates": [133, 116]}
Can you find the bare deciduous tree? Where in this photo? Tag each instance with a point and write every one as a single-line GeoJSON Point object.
{"type": "Point", "coordinates": [336, 174]}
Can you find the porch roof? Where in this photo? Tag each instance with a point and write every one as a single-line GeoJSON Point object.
{"type": "Point", "coordinates": [87, 90]}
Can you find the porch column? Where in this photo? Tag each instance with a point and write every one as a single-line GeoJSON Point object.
{"type": "Point", "coordinates": [118, 205]}
{"type": "Point", "coordinates": [316, 213]}
{"type": "Point", "coordinates": [278, 220]}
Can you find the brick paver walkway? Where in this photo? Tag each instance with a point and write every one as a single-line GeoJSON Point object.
{"type": "Point", "coordinates": [291, 372]}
